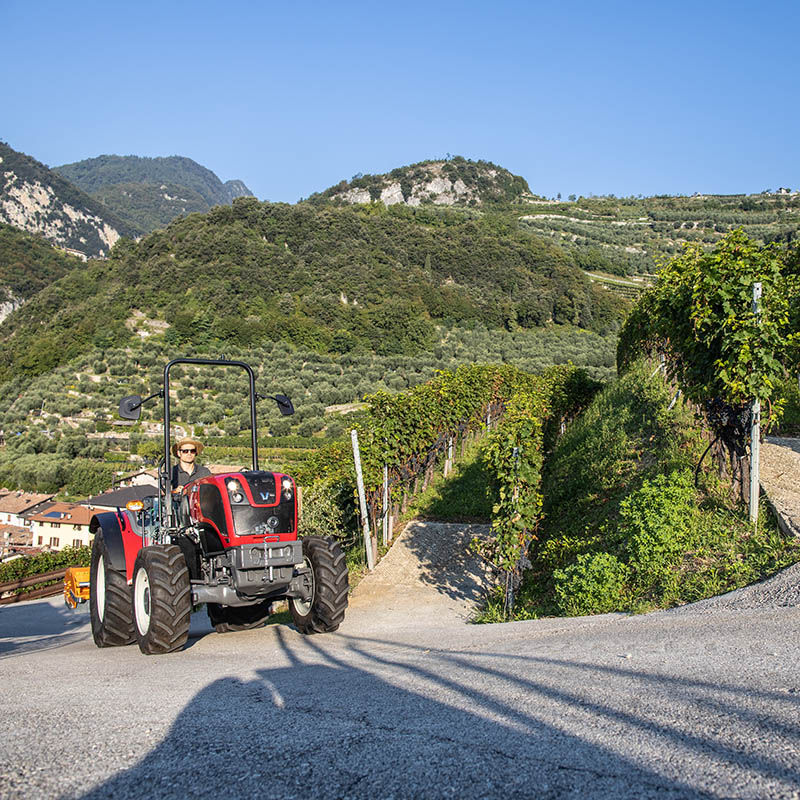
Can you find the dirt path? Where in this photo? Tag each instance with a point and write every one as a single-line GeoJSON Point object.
{"type": "Point", "coordinates": [780, 479]}
{"type": "Point", "coordinates": [428, 572]}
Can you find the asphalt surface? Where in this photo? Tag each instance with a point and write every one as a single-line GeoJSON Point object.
{"type": "Point", "coordinates": [408, 700]}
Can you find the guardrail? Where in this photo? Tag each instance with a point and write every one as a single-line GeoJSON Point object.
{"type": "Point", "coordinates": [32, 580]}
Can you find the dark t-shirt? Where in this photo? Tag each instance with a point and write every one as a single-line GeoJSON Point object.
{"type": "Point", "coordinates": [180, 477]}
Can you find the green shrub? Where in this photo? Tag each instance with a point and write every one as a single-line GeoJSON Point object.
{"type": "Point", "coordinates": [45, 562]}
{"type": "Point", "coordinates": [789, 391]}
{"type": "Point", "coordinates": [323, 511]}
{"type": "Point", "coordinates": [594, 584]}
{"type": "Point", "coordinates": [88, 478]}
{"type": "Point", "coordinates": [655, 524]}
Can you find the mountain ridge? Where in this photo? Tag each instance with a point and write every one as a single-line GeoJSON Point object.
{"type": "Point", "coordinates": [35, 199]}
{"type": "Point", "coordinates": [151, 192]}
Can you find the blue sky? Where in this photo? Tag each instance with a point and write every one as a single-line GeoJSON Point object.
{"type": "Point", "coordinates": [580, 97]}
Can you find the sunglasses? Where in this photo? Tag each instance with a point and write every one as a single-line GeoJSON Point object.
{"type": "Point", "coordinates": [188, 450]}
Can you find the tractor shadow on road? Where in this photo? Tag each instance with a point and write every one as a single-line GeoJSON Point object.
{"type": "Point", "coordinates": [360, 721]}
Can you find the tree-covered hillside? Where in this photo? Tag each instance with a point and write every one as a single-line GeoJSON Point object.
{"type": "Point", "coordinates": [27, 264]}
{"type": "Point", "coordinates": [606, 234]}
{"type": "Point", "coordinates": [337, 280]}
{"type": "Point", "coordinates": [151, 192]}
{"type": "Point", "coordinates": [149, 205]}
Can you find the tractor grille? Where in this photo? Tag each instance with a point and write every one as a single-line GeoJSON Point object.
{"type": "Point", "coordinates": [249, 520]}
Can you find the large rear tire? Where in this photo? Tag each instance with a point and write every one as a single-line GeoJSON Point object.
{"type": "Point", "coordinates": [238, 618]}
{"type": "Point", "coordinates": [323, 611]}
{"type": "Point", "coordinates": [162, 599]}
{"type": "Point", "coordinates": [109, 599]}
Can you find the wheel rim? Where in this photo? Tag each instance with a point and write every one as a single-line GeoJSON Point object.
{"type": "Point", "coordinates": [303, 607]}
{"type": "Point", "coordinates": [100, 588]}
{"type": "Point", "coordinates": [141, 601]}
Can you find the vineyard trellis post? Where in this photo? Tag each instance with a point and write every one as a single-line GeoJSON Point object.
{"type": "Point", "coordinates": [755, 427]}
{"type": "Point", "coordinates": [362, 499]}
{"type": "Point", "coordinates": [385, 518]}
{"type": "Point", "coordinates": [448, 463]}
{"type": "Point", "coordinates": [512, 575]}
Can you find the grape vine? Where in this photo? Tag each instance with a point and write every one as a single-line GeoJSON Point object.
{"type": "Point", "coordinates": [700, 315]}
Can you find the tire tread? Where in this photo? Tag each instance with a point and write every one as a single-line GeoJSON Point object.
{"type": "Point", "coordinates": [331, 582]}
{"type": "Point", "coordinates": [170, 599]}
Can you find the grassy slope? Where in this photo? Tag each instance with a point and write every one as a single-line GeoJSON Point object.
{"type": "Point", "coordinates": [624, 528]}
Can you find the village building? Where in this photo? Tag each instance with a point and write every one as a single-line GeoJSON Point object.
{"type": "Point", "coordinates": [61, 525]}
{"type": "Point", "coordinates": [145, 477]}
{"type": "Point", "coordinates": [16, 506]}
{"type": "Point", "coordinates": [15, 539]}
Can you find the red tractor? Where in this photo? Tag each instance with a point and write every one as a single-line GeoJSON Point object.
{"type": "Point", "coordinates": [229, 541]}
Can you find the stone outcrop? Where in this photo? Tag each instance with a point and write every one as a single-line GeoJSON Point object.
{"type": "Point", "coordinates": [448, 183]}
{"type": "Point", "coordinates": [36, 200]}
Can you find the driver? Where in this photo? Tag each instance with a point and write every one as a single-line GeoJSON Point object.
{"type": "Point", "coordinates": [186, 470]}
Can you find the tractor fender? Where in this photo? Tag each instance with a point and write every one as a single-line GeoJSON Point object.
{"type": "Point", "coordinates": [121, 539]}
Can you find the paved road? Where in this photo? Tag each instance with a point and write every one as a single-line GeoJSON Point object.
{"type": "Point", "coordinates": [407, 700]}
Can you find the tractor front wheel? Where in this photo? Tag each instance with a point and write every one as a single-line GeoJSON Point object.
{"type": "Point", "coordinates": [109, 599]}
{"type": "Point", "coordinates": [323, 610]}
{"type": "Point", "coordinates": [162, 599]}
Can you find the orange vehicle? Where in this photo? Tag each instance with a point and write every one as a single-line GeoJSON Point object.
{"type": "Point", "coordinates": [76, 585]}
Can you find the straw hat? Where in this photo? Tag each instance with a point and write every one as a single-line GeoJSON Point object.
{"type": "Point", "coordinates": [187, 440]}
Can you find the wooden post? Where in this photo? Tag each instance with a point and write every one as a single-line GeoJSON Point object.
{"type": "Point", "coordinates": [362, 499]}
{"type": "Point", "coordinates": [448, 462]}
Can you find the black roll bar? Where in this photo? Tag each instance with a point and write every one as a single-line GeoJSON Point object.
{"type": "Point", "coordinates": [210, 363]}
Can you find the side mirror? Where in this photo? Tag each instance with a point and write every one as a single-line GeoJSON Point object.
{"type": "Point", "coordinates": [130, 407]}
{"type": "Point", "coordinates": [284, 404]}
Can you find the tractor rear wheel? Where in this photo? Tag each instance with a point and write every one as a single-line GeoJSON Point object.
{"type": "Point", "coordinates": [162, 599]}
{"type": "Point", "coordinates": [238, 618]}
{"type": "Point", "coordinates": [323, 610]}
{"type": "Point", "coordinates": [109, 599]}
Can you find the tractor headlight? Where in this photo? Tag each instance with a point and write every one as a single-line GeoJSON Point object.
{"type": "Point", "coordinates": [286, 488]}
{"type": "Point", "coordinates": [237, 496]}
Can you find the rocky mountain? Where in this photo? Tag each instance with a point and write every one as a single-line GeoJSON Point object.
{"type": "Point", "coordinates": [151, 192]}
{"type": "Point", "coordinates": [35, 199]}
{"type": "Point", "coordinates": [453, 182]}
